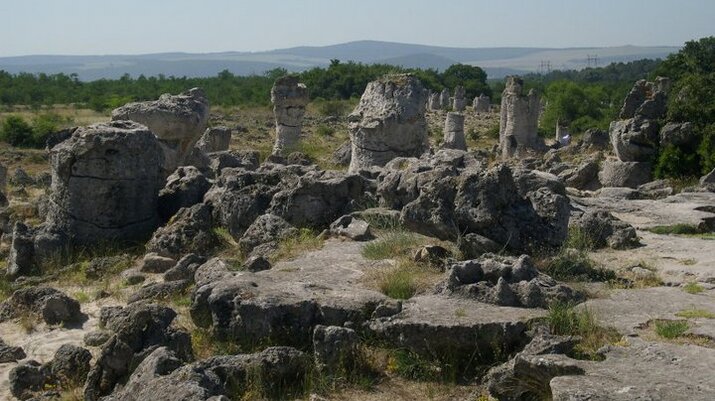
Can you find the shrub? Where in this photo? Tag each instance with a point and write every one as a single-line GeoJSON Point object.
{"type": "Point", "coordinates": [16, 131]}
{"type": "Point", "coordinates": [674, 162]}
{"type": "Point", "coordinates": [564, 319]}
{"type": "Point", "coordinates": [324, 130]}
{"type": "Point", "coordinates": [391, 245]}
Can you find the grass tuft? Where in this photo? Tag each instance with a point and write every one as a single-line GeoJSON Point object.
{"type": "Point", "coordinates": [671, 329]}
{"type": "Point", "coordinates": [391, 245]}
{"type": "Point", "coordinates": [290, 248]}
{"type": "Point", "coordinates": [695, 314]}
{"type": "Point", "coordinates": [677, 229]}
{"type": "Point", "coordinates": [564, 319]}
{"type": "Point", "coordinates": [693, 288]}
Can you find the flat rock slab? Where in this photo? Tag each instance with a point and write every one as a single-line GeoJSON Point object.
{"type": "Point", "coordinates": [678, 259]}
{"type": "Point", "coordinates": [629, 310]}
{"type": "Point", "coordinates": [643, 371]}
{"type": "Point", "coordinates": [693, 208]}
{"type": "Point", "coordinates": [437, 324]}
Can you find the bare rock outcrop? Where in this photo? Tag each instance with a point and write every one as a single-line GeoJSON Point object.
{"type": "Point", "coordinates": [289, 99]}
{"type": "Point", "coordinates": [388, 122]}
{"type": "Point", "coordinates": [459, 103]}
{"type": "Point", "coordinates": [482, 104]}
{"type": "Point", "coordinates": [214, 139]}
{"type": "Point", "coordinates": [178, 120]}
{"type": "Point", "coordinates": [519, 119]}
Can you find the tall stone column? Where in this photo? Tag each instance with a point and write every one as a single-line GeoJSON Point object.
{"type": "Point", "coordinates": [454, 132]}
{"type": "Point", "coordinates": [289, 99]}
{"type": "Point", "coordinates": [444, 99]}
{"type": "Point", "coordinates": [459, 103]}
{"type": "Point", "coordinates": [518, 127]}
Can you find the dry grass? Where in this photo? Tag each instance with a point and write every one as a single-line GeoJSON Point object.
{"type": "Point", "coordinates": [695, 314]}
{"type": "Point", "coordinates": [564, 319]}
{"type": "Point", "coordinates": [290, 248]}
{"type": "Point", "coordinates": [403, 279]}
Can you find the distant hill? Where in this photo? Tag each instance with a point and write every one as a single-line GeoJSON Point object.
{"type": "Point", "coordinates": [498, 62]}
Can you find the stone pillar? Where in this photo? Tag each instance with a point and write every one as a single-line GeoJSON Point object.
{"type": "Point", "coordinates": [563, 137]}
{"type": "Point", "coordinates": [388, 122]}
{"type": "Point", "coordinates": [435, 102]}
{"type": "Point", "coordinates": [482, 104]}
{"type": "Point", "coordinates": [459, 102]}
{"type": "Point", "coordinates": [105, 183]}
{"type": "Point", "coordinates": [518, 127]}
{"type": "Point", "coordinates": [454, 132]}
{"type": "Point", "coordinates": [289, 99]}
{"type": "Point", "coordinates": [444, 99]}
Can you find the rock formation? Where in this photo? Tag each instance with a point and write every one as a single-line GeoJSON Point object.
{"type": "Point", "coordinates": [519, 119]}
{"type": "Point", "coordinates": [388, 122]}
{"type": "Point", "coordinates": [215, 139]}
{"type": "Point", "coordinates": [105, 183]}
{"type": "Point", "coordinates": [289, 99]}
{"type": "Point", "coordinates": [459, 103]}
{"type": "Point", "coordinates": [177, 120]}
{"type": "Point", "coordinates": [444, 99]}
{"type": "Point", "coordinates": [435, 102]}
{"type": "Point", "coordinates": [636, 136]}
{"type": "Point", "coordinates": [482, 104]}
{"type": "Point", "coordinates": [454, 132]}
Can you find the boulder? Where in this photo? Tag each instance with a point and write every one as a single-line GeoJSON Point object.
{"type": "Point", "coordinates": [335, 348]}
{"type": "Point", "coordinates": [342, 154]}
{"type": "Point", "coordinates": [267, 228]}
{"type": "Point", "coordinates": [21, 261]}
{"type": "Point", "coordinates": [189, 231]}
{"type": "Point", "coordinates": [26, 379]}
{"type": "Point", "coordinates": [289, 99]}
{"type": "Point", "coordinates": [214, 139]}
{"type": "Point", "coordinates": [153, 263]}
{"type": "Point", "coordinates": [9, 353]}
{"type": "Point", "coordinates": [506, 281]}
{"type": "Point", "coordinates": [388, 122]}
{"type": "Point", "coordinates": [679, 134]}
{"type": "Point", "coordinates": [105, 183]}
{"type": "Point", "coordinates": [245, 159]}
{"type": "Point", "coordinates": [70, 365]}
{"type": "Point", "coordinates": [616, 173]}
{"type": "Point", "coordinates": [351, 227]}
{"type": "Point", "coordinates": [595, 139]}
{"type": "Point", "coordinates": [185, 187]}
{"type": "Point", "coordinates": [178, 120]}
{"type": "Point", "coordinates": [634, 140]}
{"type": "Point", "coordinates": [603, 229]}
{"type": "Point", "coordinates": [53, 306]}
{"type": "Point", "coordinates": [185, 268]}
{"type": "Point", "coordinates": [257, 263]}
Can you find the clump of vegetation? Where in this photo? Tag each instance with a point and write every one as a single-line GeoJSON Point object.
{"type": "Point", "coordinates": [565, 319]}
{"type": "Point", "coordinates": [18, 132]}
{"type": "Point", "coordinates": [291, 247]}
{"type": "Point", "coordinates": [392, 244]}
{"type": "Point", "coordinates": [573, 263]}
{"type": "Point", "coordinates": [324, 130]}
{"type": "Point", "coordinates": [205, 345]}
{"type": "Point", "coordinates": [671, 329]}
{"type": "Point", "coordinates": [695, 314]}
{"type": "Point", "coordinates": [403, 280]}
{"type": "Point", "coordinates": [676, 229]}
{"type": "Point", "coordinates": [693, 288]}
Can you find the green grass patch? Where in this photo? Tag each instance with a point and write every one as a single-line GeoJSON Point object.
{"type": "Point", "coordinates": [695, 314]}
{"type": "Point", "coordinates": [671, 329]}
{"type": "Point", "coordinates": [676, 229]}
{"type": "Point", "coordinates": [693, 288]}
{"type": "Point", "coordinates": [391, 245]}
{"type": "Point", "coordinates": [576, 265]}
{"type": "Point", "coordinates": [564, 319]}
{"type": "Point", "coordinates": [291, 247]}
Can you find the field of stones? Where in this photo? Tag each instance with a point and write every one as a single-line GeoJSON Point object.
{"type": "Point", "coordinates": [415, 246]}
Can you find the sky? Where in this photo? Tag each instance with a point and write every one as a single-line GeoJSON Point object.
{"type": "Point", "coordinates": [82, 27]}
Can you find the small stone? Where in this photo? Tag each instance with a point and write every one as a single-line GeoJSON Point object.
{"type": "Point", "coordinates": [257, 263]}
{"type": "Point", "coordinates": [153, 263]}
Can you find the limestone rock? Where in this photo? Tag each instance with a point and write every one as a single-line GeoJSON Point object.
{"type": "Point", "coordinates": [444, 99]}
{"type": "Point", "coordinates": [289, 99]}
{"type": "Point", "coordinates": [482, 104]}
{"type": "Point", "coordinates": [454, 132]}
{"type": "Point", "coordinates": [105, 182]}
{"type": "Point", "coordinates": [603, 229]}
{"type": "Point", "coordinates": [185, 268]}
{"type": "Point", "coordinates": [215, 139]}
{"type": "Point", "coordinates": [190, 231]}
{"type": "Point", "coordinates": [178, 120]}
{"type": "Point", "coordinates": [335, 348]}
{"type": "Point", "coordinates": [388, 122]}
{"type": "Point", "coordinates": [506, 281]}
{"type": "Point", "coordinates": [624, 174]}
{"type": "Point", "coordinates": [9, 353]}
{"type": "Point", "coordinates": [351, 227]}
{"type": "Point", "coordinates": [634, 140]}
{"type": "Point", "coordinates": [52, 305]}
{"type": "Point", "coordinates": [518, 127]}
{"type": "Point", "coordinates": [153, 263]}
{"type": "Point", "coordinates": [459, 103]}
{"type": "Point", "coordinates": [265, 229]}
{"type": "Point", "coordinates": [185, 187]}
{"type": "Point", "coordinates": [434, 102]}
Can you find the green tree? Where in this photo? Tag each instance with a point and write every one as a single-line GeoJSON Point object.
{"type": "Point", "coordinates": [16, 131]}
{"type": "Point", "coordinates": [474, 79]}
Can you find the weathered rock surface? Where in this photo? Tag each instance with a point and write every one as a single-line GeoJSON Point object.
{"type": "Point", "coordinates": [53, 306]}
{"type": "Point", "coordinates": [634, 140]}
{"type": "Point", "coordinates": [289, 99]}
{"type": "Point", "coordinates": [459, 103]}
{"type": "Point", "coordinates": [214, 139]}
{"type": "Point", "coordinates": [388, 122]}
{"type": "Point", "coordinates": [267, 228]}
{"type": "Point", "coordinates": [178, 120]}
{"type": "Point", "coordinates": [519, 119]}
{"type": "Point", "coordinates": [335, 348]}
{"type": "Point", "coordinates": [454, 132]}
{"type": "Point", "coordinates": [189, 231]}
{"type": "Point", "coordinates": [185, 187]}
{"type": "Point", "coordinates": [603, 229]}
{"type": "Point", "coordinates": [615, 173]}
{"type": "Point", "coordinates": [105, 181]}
{"type": "Point", "coordinates": [506, 281]}
{"type": "Point", "coordinates": [138, 330]}
{"type": "Point", "coordinates": [351, 227]}
{"type": "Point", "coordinates": [285, 303]}
{"type": "Point", "coordinates": [8, 353]}
{"type": "Point", "coordinates": [160, 377]}
{"type": "Point", "coordinates": [482, 104]}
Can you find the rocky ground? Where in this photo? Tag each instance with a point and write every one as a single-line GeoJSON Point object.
{"type": "Point", "coordinates": [444, 277]}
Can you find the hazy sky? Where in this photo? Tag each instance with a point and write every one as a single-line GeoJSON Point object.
{"type": "Point", "coordinates": [149, 26]}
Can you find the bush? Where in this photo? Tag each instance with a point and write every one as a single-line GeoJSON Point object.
{"type": "Point", "coordinates": [16, 131]}
{"type": "Point", "coordinates": [671, 329]}
{"type": "Point", "coordinates": [675, 163]}
{"type": "Point", "coordinates": [324, 130]}
{"type": "Point", "coordinates": [565, 320]}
